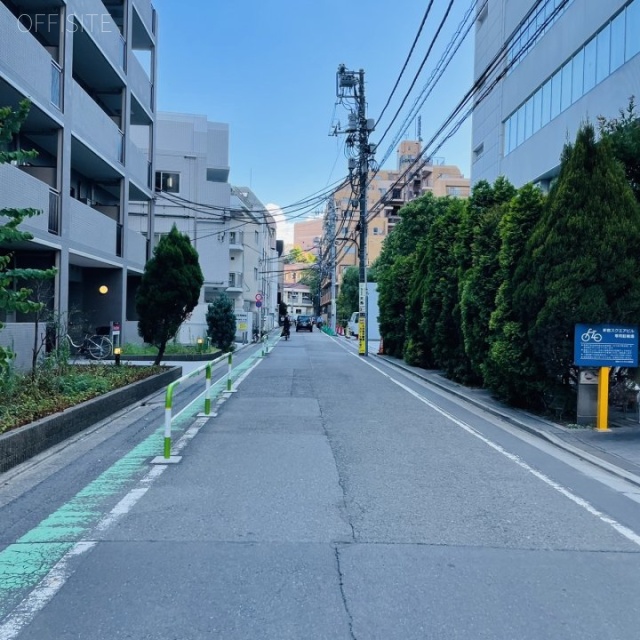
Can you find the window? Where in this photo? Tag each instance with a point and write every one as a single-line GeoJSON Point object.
{"type": "Point", "coordinates": [377, 231]}
{"type": "Point", "coordinates": [537, 110]}
{"type": "Point", "coordinates": [454, 191]}
{"type": "Point", "coordinates": [397, 194]}
{"type": "Point", "coordinates": [577, 76]}
{"type": "Point", "coordinates": [556, 91]}
{"type": "Point", "coordinates": [617, 41]}
{"type": "Point", "coordinates": [257, 237]}
{"type": "Point", "coordinates": [590, 65]}
{"type": "Point", "coordinates": [520, 131]}
{"type": "Point", "coordinates": [546, 103]}
{"type": "Point", "coordinates": [167, 181]}
{"type": "Point", "coordinates": [565, 100]}
{"type": "Point", "coordinates": [603, 54]}
{"type": "Point", "coordinates": [255, 273]}
{"type": "Point", "coordinates": [528, 119]}
{"type": "Point", "coordinates": [633, 30]}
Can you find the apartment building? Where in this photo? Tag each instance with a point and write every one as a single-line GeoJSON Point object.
{"type": "Point", "coordinates": [193, 193]}
{"type": "Point", "coordinates": [389, 191]}
{"type": "Point", "coordinates": [307, 234]}
{"type": "Point", "coordinates": [299, 299]}
{"type": "Point", "coordinates": [568, 61]}
{"type": "Point", "coordinates": [255, 272]}
{"type": "Point", "coordinates": [89, 69]}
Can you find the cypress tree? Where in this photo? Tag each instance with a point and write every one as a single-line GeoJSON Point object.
{"type": "Point", "coordinates": [581, 264]}
{"type": "Point", "coordinates": [169, 290]}
{"type": "Point", "coordinates": [508, 369]}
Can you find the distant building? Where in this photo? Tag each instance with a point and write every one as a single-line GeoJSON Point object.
{"type": "Point", "coordinates": [570, 62]}
{"type": "Point", "coordinates": [389, 191]}
{"type": "Point", "coordinates": [307, 234]}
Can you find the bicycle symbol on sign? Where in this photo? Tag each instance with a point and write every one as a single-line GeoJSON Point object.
{"type": "Point", "coordinates": [591, 334]}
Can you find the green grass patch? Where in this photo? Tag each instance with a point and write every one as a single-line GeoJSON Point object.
{"type": "Point", "coordinates": [171, 350]}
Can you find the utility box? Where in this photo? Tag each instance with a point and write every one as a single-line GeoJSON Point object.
{"type": "Point", "coordinates": [587, 412]}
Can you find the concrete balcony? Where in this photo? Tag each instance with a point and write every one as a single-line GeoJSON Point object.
{"type": "Point", "coordinates": [146, 13]}
{"type": "Point", "coordinates": [138, 165]}
{"type": "Point", "coordinates": [26, 62]}
{"type": "Point", "coordinates": [136, 249]}
{"type": "Point", "coordinates": [140, 84]}
{"type": "Point", "coordinates": [235, 283]}
{"type": "Point", "coordinates": [92, 231]}
{"type": "Point", "coordinates": [95, 127]}
{"type": "Point", "coordinates": [93, 18]}
{"type": "Point", "coordinates": [22, 191]}
{"type": "Point", "coordinates": [236, 241]}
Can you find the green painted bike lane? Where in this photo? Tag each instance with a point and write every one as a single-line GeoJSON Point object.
{"type": "Point", "coordinates": [24, 563]}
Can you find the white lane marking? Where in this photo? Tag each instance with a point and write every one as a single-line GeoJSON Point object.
{"type": "Point", "coordinates": [24, 613]}
{"type": "Point", "coordinates": [41, 595]}
{"type": "Point", "coordinates": [620, 528]}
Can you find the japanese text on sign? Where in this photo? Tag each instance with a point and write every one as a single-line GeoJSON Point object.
{"type": "Point", "coordinates": [605, 346]}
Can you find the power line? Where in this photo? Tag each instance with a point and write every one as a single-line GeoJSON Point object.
{"type": "Point", "coordinates": [406, 62]}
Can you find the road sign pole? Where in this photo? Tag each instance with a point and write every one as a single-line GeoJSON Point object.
{"type": "Point", "coordinates": [602, 423]}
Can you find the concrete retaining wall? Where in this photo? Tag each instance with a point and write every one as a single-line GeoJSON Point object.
{"type": "Point", "coordinates": [20, 444]}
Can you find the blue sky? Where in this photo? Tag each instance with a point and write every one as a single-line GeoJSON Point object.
{"type": "Point", "coordinates": [268, 70]}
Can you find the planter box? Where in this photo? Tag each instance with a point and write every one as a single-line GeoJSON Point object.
{"type": "Point", "coordinates": [23, 443]}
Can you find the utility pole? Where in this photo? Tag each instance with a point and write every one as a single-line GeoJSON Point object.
{"type": "Point", "coordinates": [331, 230]}
{"type": "Point", "coordinates": [350, 84]}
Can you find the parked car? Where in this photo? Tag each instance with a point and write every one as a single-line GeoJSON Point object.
{"type": "Point", "coordinates": [304, 322]}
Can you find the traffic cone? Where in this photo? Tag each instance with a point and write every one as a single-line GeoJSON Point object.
{"type": "Point", "coordinates": [381, 347]}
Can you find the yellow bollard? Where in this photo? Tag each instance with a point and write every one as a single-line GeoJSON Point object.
{"type": "Point", "coordinates": [602, 423]}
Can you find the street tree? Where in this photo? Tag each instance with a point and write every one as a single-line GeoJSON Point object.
{"type": "Point", "coordinates": [509, 369]}
{"type": "Point", "coordinates": [169, 290]}
{"type": "Point", "coordinates": [623, 133]}
{"type": "Point", "coordinates": [221, 323]}
{"type": "Point", "coordinates": [581, 263]}
{"type": "Point", "coordinates": [481, 280]}
{"type": "Point", "coordinates": [347, 302]}
{"type": "Point", "coordinates": [298, 255]}
{"type": "Point", "coordinates": [12, 296]}
{"type": "Point", "coordinates": [395, 268]}
{"type": "Point", "coordinates": [440, 322]}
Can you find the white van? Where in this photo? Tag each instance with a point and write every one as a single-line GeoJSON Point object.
{"type": "Point", "coordinates": [354, 324]}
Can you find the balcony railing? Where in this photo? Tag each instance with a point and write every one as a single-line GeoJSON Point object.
{"type": "Point", "coordinates": [23, 59]}
{"type": "Point", "coordinates": [235, 281]}
{"type": "Point", "coordinates": [92, 229]}
{"type": "Point", "coordinates": [56, 85]}
{"type": "Point", "coordinates": [95, 126]}
{"type": "Point", "coordinates": [54, 212]}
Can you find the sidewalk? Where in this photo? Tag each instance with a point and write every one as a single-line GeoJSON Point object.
{"type": "Point", "coordinates": [616, 450]}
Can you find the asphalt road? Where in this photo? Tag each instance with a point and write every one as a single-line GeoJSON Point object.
{"type": "Point", "coordinates": [331, 497]}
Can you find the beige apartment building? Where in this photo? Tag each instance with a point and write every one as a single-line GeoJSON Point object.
{"type": "Point", "coordinates": [389, 191]}
{"type": "Point", "coordinates": [307, 234]}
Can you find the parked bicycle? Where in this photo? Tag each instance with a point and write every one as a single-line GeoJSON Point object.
{"type": "Point", "coordinates": [95, 346]}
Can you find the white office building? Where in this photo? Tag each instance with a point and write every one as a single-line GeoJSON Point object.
{"type": "Point", "coordinates": [193, 193]}
{"type": "Point", "coordinates": [570, 61]}
{"type": "Point", "coordinates": [255, 261]}
{"type": "Point", "coordinates": [89, 69]}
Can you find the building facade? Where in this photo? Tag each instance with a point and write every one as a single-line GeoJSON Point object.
{"type": "Point", "coordinates": [89, 71]}
{"type": "Point", "coordinates": [256, 266]}
{"type": "Point", "coordinates": [193, 193]}
{"type": "Point", "coordinates": [388, 192]}
{"type": "Point", "coordinates": [567, 61]}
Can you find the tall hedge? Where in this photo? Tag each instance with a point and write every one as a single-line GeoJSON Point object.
{"type": "Point", "coordinates": [582, 262]}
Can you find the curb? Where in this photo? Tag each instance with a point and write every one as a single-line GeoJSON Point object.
{"type": "Point", "coordinates": [18, 445]}
{"type": "Point", "coordinates": [552, 439]}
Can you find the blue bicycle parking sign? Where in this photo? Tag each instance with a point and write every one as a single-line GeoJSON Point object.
{"type": "Point", "coordinates": [605, 345]}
